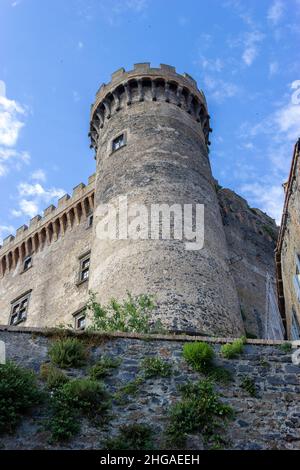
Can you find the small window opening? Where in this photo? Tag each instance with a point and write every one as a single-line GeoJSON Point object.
{"type": "Point", "coordinates": [118, 142]}
{"type": "Point", "coordinates": [19, 310]}
{"type": "Point", "coordinates": [27, 263]}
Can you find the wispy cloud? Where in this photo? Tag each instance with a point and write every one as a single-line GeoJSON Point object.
{"type": "Point", "coordinates": [111, 11]}
{"type": "Point", "coordinates": [39, 175]}
{"type": "Point", "coordinates": [220, 89]}
{"type": "Point", "coordinates": [251, 46]}
{"type": "Point", "coordinates": [5, 230]}
{"type": "Point", "coordinates": [275, 12]}
{"type": "Point", "coordinates": [268, 197]}
{"type": "Point", "coordinates": [282, 128]}
{"type": "Point", "coordinates": [33, 197]}
{"type": "Point", "coordinates": [11, 122]}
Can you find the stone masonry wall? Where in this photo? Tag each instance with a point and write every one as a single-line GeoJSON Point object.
{"type": "Point", "coordinates": [291, 250]}
{"type": "Point", "coordinates": [251, 236]}
{"type": "Point", "coordinates": [270, 421]}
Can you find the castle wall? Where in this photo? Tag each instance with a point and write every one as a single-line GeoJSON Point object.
{"type": "Point", "coordinates": [164, 161]}
{"type": "Point", "coordinates": [55, 243]}
{"type": "Point", "coordinates": [290, 250]}
{"type": "Point", "coordinates": [251, 236]}
{"type": "Point", "coordinates": [268, 421]}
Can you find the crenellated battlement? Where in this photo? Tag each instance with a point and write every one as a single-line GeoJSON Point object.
{"type": "Point", "coordinates": [146, 83]}
{"type": "Point", "coordinates": [44, 229]}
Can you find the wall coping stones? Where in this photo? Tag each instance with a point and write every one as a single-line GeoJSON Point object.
{"type": "Point", "coordinates": [145, 337]}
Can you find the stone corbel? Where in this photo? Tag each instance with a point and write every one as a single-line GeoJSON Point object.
{"type": "Point", "coordinates": [128, 93]}
{"type": "Point", "coordinates": [117, 99]}
{"type": "Point", "coordinates": [153, 90]}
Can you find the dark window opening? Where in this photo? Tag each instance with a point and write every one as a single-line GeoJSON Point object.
{"type": "Point", "coordinates": [19, 310]}
{"type": "Point", "coordinates": [27, 263]}
{"type": "Point", "coordinates": [84, 268]}
{"type": "Point", "coordinates": [90, 220]}
{"type": "Point", "coordinates": [118, 142]}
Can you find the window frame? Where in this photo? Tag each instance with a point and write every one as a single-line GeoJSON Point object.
{"type": "Point", "coordinates": [82, 260]}
{"type": "Point", "coordinates": [122, 136]}
{"type": "Point", "coordinates": [79, 315]}
{"type": "Point", "coordinates": [27, 259]}
{"type": "Point", "coordinates": [17, 309]}
{"type": "Point", "coordinates": [90, 220]}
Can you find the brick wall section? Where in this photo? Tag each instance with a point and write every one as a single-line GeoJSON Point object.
{"type": "Point", "coordinates": [270, 421]}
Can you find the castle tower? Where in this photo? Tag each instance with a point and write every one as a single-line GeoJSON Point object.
{"type": "Point", "coordinates": [150, 130]}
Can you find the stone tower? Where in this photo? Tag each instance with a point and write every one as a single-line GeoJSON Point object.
{"type": "Point", "coordinates": [150, 130]}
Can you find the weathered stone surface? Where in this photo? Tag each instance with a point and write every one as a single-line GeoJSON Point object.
{"type": "Point", "coordinates": [251, 236]}
{"type": "Point", "coordinates": [271, 421]}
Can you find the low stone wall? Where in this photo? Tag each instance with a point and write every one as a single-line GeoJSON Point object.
{"type": "Point", "coordinates": [269, 421]}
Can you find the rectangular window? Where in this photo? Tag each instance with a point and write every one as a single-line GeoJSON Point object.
{"type": "Point", "coordinates": [79, 318]}
{"type": "Point", "coordinates": [90, 220]}
{"type": "Point", "coordinates": [27, 263]}
{"type": "Point", "coordinates": [84, 268]}
{"type": "Point", "coordinates": [19, 309]}
{"type": "Point", "coordinates": [118, 142]}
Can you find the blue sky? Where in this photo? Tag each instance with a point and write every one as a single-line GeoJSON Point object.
{"type": "Point", "coordinates": [55, 54]}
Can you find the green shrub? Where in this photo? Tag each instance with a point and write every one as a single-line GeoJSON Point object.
{"type": "Point", "coordinates": [232, 350]}
{"type": "Point", "coordinates": [103, 367]}
{"type": "Point", "coordinates": [132, 437]}
{"type": "Point", "coordinates": [198, 355]}
{"type": "Point", "coordinates": [131, 315]}
{"type": "Point", "coordinates": [286, 347]}
{"type": "Point", "coordinates": [69, 352]}
{"type": "Point", "coordinates": [76, 397]}
{"type": "Point", "coordinates": [199, 411]}
{"type": "Point", "coordinates": [156, 367]}
{"type": "Point", "coordinates": [248, 384]}
{"type": "Point", "coordinates": [18, 393]}
{"type": "Point", "coordinates": [52, 376]}
{"type": "Point", "coordinates": [130, 389]}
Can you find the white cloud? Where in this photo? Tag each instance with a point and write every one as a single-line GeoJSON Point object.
{"type": "Point", "coordinates": [219, 89]}
{"type": "Point", "coordinates": [268, 197]}
{"type": "Point", "coordinates": [34, 197]}
{"type": "Point", "coordinates": [37, 190]}
{"type": "Point", "coordinates": [38, 175]}
{"type": "Point", "coordinates": [11, 158]}
{"type": "Point", "coordinates": [275, 12]}
{"type": "Point", "coordinates": [29, 208]}
{"type": "Point", "coordinates": [5, 230]}
{"type": "Point", "coordinates": [282, 128]}
{"type": "Point", "coordinates": [251, 46]}
{"type": "Point", "coordinates": [11, 123]}
{"type": "Point", "coordinates": [212, 65]}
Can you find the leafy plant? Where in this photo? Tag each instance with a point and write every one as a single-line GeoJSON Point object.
{"type": "Point", "coordinates": [199, 411]}
{"type": "Point", "coordinates": [132, 437]}
{"type": "Point", "coordinates": [131, 388]}
{"type": "Point", "coordinates": [103, 367]}
{"type": "Point", "coordinates": [248, 384]}
{"type": "Point", "coordinates": [131, 315]}
{"type": "Point", "coordinates": [286, 347]}
{"type": "Point", "coordinates": [232, 350]}
{"type": "Point", "coordinates": [18, 393]}
{"type": "Point", "coordinates": [66, 353]}
{"type": "Point", "coordinates": [52, 376]}
{"type": "Point", "coordinates": [198, 355]}
{"type": "Point", "coordinates": [78, 396]}
{"type": "Point", "coordinates": [156, 367]}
